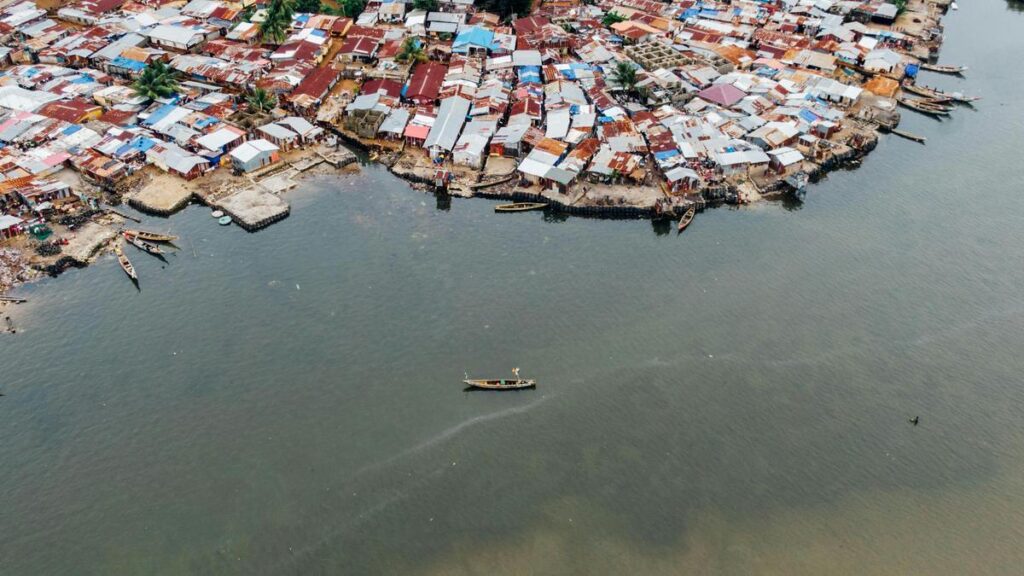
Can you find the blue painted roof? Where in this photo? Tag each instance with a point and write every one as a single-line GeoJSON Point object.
{"type": "Point", "coordinates": [139, 143]}
{"type": "Point", "coordinates": [475, 37]}
{"type": "Point", "coordinates": [122, 62]}
{"type": "Point", "coordinates": [808, 115]}
{"type": "Point", "coordinates": [159, 114]}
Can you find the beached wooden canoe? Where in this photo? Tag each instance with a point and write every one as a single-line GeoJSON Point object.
{"type": "Point", "coordinates": [925, 107]}
{"type": "Point", "coordinates": [126, 264]}
{"type": "Point", "coordinates": [151, 236]}
{"type": "Point", "coordinates": [687, 218]}
{"type": "Point", "coordinates": [520, 207]}
{"type": "Point", "coordinates": [501, 384]}
{"type": "Point", "coordinates": [142, 244]}
{"type": "Point", "coordinates": [937, 95]}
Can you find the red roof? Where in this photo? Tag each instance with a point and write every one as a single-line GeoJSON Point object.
{"type": "Point", "coordinates": [317, 83]}
{"type": "Point", "coordinates": [389, 87]}
{"type": "Point", "coordinates": [340, 25]}
{"type": "Point", "coordinates": [364, 32]}
{"type": "Point", "coordinates": [359, 46]}
{"type": "Point", "coordinates": [529, 24]}
{"type": "Point", "coordinates": [426, 81]}
{"type": "Point", "coordinates": [68, 110]}
{"type": "Point", "coordinates": [98, 7]}
{"type": "Point", "coordinates": [417, 131]}
{"type": "Point", "coordinates": [119, 117]}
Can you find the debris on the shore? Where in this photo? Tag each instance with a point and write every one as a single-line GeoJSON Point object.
{"type": "Point", "coordinates": [14, 269]}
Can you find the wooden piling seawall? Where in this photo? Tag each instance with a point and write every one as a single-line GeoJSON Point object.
{"type": "Point", "coordinates": [592, 211]}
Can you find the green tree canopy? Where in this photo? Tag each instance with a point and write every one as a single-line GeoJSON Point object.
{"type": "Point", "coordinates": [505, 8]}
{"type": "Point", "coordinates": [259, 100]}
{"type": "Point", "coordinates": [158, 80]}
{"type": "Point", "coordinates": [624, 75]}
{"type": "Point", "coordinates": [274, 29]}
{"type": "Point", "coordinates": [308, 6]}
{"type": "Point", "coordinates": [612, 17]}
{"type": "Point", "coordinates": [412, 51]}
{"type": "Point", "coordinates": [348, 8]}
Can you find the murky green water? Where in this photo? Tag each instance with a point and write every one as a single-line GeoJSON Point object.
{"type": "Point", "coordinates": [731, 401]}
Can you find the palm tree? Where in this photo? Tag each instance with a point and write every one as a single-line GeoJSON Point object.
{"type": "Point", "coordinates": [625, 75]}
{"type": "Point", "coordinates": [260, 101]}
{"type": "Point", "coordinates": [274, 28]}
{"type": "Point", "coordinates": [158, 80]}
{"type": "Point", "coordinates": [412, 51]}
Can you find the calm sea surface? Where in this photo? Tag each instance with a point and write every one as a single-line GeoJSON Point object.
{"type": "Point", "coordinates": [730, 401]}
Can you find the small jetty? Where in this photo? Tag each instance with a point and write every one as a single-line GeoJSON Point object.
{"type": "Point", "coordinates": [122, 215]}
{"type": "Point", "coordinates": [520, 207]}
{"type": "Point", "coordinates": [687, 218]}
{"type": "Point", "coordinates": [253, 209]}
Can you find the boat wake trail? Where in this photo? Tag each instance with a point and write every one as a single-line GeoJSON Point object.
{"type": "Point", "coordinates": [400, 493]}
{"type": "Point", "coordinates": [451, 432]}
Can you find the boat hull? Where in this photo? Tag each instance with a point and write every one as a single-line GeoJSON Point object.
{"type": "Point", "coordinates": [520, 207]}
{"type": "Point", "coordinates": [686, 219]}
{"type": "Point", "coordinates": [142, 245]}
{"type": "Point", "coordinates": [500, 384]}
{"type": "Point", "coordinates": [151, 236]}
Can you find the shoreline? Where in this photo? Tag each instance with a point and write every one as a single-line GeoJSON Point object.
{"type": "Point", "coordinates": [209, 192]}
{"type": "Point", "coordinates": [253, 200]}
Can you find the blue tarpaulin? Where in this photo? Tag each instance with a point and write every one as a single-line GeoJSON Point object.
{"type": "Point", "coordinates": [911, 70]}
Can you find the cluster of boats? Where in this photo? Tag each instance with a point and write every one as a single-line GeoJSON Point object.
{"type": "Point", "coordinates": [146, 241]}
{"type": "Point", "coordinates": [932, 101]}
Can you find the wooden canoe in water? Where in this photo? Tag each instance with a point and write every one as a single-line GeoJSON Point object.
{"type": "Point", "coordinates": [151, 236]}
{"type": "Point", "coordinates": [142, 245]}
{"type": "Point", "coordinates": [937, 95]}
{"type": "Point", "coordinates": [520, 207]}
{"type": "Point", "coordinates": [687, 218]}
{"type": "Point", "coordinates": [944, 69]}
{"type": "Point", "coordinates": [501, 384]}
{"type": "Point", "coordinates": [126, 264]}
